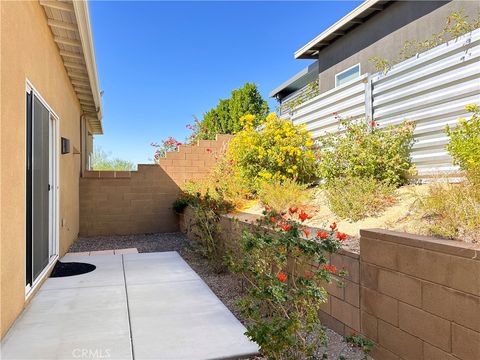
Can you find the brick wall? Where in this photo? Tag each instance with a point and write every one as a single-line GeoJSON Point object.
{"type": "Point", "coordinates": [127, 202]}
{"type": "Point", "coordinates": [133, 202]}
{"type": "Point", "coordinates": [417, 297]}
{"type": "Point", "coordinates": [420, 297]}
{"type": "Point", "coordinates": [192, 162]}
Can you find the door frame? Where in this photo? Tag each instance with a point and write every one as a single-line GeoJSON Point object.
{"type": "Point", "coordinates": [54, 204]}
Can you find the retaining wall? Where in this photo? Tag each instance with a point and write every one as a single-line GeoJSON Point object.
{"type": "Point", "coordinates": [416, 297]}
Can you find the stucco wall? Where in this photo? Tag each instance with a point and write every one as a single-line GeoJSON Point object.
{"type": "Point", "coordinates": [29, 52]}
{"type": "Point", "coordinates": [384, 35]}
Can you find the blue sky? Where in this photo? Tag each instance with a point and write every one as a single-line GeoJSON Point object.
{"type": "Point", "coordinates": [159, 63]}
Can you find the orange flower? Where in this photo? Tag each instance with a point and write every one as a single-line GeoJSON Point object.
{"type": "Point", "coordinates": [307, 233]}
{"type": "Point", "coordinates": [330, 268]}
{"type": "Point", "coordinates": [341, 236]}
{"type": "Point", "coordinates": [322, 234]}
{"type": "Point", "coordinates": [286, 227]}
{"type": "Point", "coordinates": [293, 210]}
{"type": "Point", "coordinates": [273, 220]}
{"type": "Point", "coordinates": [333, 226]}
{"type": "Point", "coordinates": [304, 216]}
{"type": "Point", "coordinates": [281, 276]}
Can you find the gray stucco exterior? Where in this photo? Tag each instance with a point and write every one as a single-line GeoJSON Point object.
{"type": "Point", "coordinates": [383, 35]}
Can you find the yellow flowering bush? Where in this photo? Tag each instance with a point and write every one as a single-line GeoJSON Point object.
{"type": "Point", "coordinates": [272, 150]}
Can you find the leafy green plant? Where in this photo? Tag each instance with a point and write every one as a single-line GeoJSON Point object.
{"type": "Point", "coordinates": [281, 195]}
{"type": "Point", "coordinates": [363, 149]}
{"type": "Point", "coordinates": [355, 198]}
{"type": "Point", "coordinates": [457, 23]}
{"type": "Point", "coordinates": [278, 150]}
{"type": "Point", "coordinates": [283, 294]}
{"type": "Point", "coordinates": [366, 345]}
{"type": "Point", "coordinates": [225, 117]}
{"type": "Point", "coordinates": [464, 143]}
{"type": "Point", "coordinates": [180, 204]}
{"type": "Point", "coordinates": [101, 160]}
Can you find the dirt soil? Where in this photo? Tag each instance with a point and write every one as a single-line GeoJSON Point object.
{"type": "Point", "coordinates": [226, 286]}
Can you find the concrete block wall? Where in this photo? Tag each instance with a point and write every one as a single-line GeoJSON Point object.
{"type": "Point", "coordinates": [416, 297]}
{"type": "Point", "coordinates": [195, 161]}
{"type": "Point", "coordinates": [420, 296]}
{"type": "Point", "coordinates": [127, 202]}
{"type": "Point", "coordinates": [133, 202]}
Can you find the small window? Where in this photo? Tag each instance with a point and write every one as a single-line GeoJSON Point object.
{"type": "Point", "coordinates": [347, 75]}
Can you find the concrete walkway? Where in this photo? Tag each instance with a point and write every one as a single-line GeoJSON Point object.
{"type": "Point", "coordinates": [133, 306]}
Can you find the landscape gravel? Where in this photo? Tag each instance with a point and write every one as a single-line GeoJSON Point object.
{"type": "Point", "coordinates": [226, 286]}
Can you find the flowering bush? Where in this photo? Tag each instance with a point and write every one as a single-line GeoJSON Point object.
{"type": "Point", "coordinates": [284, 293]}
{"type": "Point", "coordinates": [364, 150]}
{"type": "Point", "coordinates": [170, 144]}
{"type": "Point", "coordinates": [465, 143]}
{"type": "Point", "coordinates": [276, 150]}
{"type": "Point", "coordinates": [280, 195]}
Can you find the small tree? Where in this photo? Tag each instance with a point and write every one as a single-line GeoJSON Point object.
{"type": "Point", "coordinates": [101, 161]}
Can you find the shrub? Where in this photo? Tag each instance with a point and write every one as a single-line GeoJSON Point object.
{"type": "Point", "coordinates": [464, 143]}
{"type": "Point", "coordinates": [225, 117]}
{"type": "Point", "coordinates": [102, 161]}
{"type": "Point", "coordinates": [452, 210]}
{"type": "Point", "coordinates": [283, 294]}
{"type": "Point", "coordinates": [180, 204]}
{"type": "Point", "coordinates": [362, 149]}
{"type": "Point", "coordinates": [355, 198]}
{"type": "Point", "coordinates": [280, 196]}
{"type": "Point", "coordinates": [278, 150]}
{"type": "Point", "coordinates": [167, 145]}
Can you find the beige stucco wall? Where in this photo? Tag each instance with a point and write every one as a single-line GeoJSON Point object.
{"type": "Point", "coordinates": [29, 52]}
{"type": "Point", "coordinates": [385, 33]}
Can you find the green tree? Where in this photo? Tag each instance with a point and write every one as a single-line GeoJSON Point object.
{"type": "Point", "coordinates": [101, 161]}
{"type": "Point", "coordinates": [225, 117]}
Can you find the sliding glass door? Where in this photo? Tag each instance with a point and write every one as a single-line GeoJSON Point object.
{"type": "Point", "coordinates": [41, 187]}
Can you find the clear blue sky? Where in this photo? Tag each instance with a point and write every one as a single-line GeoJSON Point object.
{"type": "Point", "coordinates": [159, 63]}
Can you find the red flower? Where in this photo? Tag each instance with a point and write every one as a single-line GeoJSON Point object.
{"type": "Point", "coordinates": [304, 216]}
{"type": "Point", "coordinates": [322, 234]}
{"type": "Point", "coordinates": [330, 268]}
{"type": "Point", "coordinates": [267, 208]}
{"type": "Point", "coordinates": [307, 232]}
{"type": "Point", "coordinates": [341, 236]}
{"type": "Point", "coordinates": [333, 226]}
{"type": "Point", "coordinates": [286, 227]}
{"type": "Point", "coordinates": [281, 276]}
{"type": "Point", "coordinates": [293, 210]}
{"type": "Point", "coordinates": [372, 123]}
{"type": "Point", "coordinates": [273, 220]}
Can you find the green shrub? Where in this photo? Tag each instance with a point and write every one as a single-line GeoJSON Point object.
{"type": "Point", "coordinates": [180, 204]}
{"type": "Point", "coordinates": [280, 196]}
{"type": "Point", "coordinates": [283, 291]}
{"type": "Point", "coordinates": [452, 210]}
{"type": "Point", "coordinates": [365, 150]}
{"type": "Point", "coordinates": [464, 143]}
{"type": "Point", "coordinates": [355, 198]}
{"type": "Point", "coordinates": [278, 150]}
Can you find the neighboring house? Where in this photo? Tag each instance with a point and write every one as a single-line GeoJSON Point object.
{"type": "Point", "coordinates": [375, 28]}
{"type": "Point", "coordinates": [50, 109]}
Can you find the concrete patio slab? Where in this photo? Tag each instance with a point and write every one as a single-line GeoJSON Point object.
{"type": "Point", "coordinates": [133, 306]}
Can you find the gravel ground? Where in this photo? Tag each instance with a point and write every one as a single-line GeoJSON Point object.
{"type": "Point", "coordinates": [226, 286]}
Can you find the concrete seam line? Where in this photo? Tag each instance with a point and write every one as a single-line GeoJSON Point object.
{"type": "Point", "coordinates": [128, 309]}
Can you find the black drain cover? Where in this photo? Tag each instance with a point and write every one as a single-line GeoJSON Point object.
{"type": "Point", "coordinates": [71, 269]}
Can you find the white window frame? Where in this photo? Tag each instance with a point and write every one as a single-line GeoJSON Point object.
{"type": "Point", "coordinates": [54, 220]}
{"type": "Point", "coordinates": [344, 71]}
